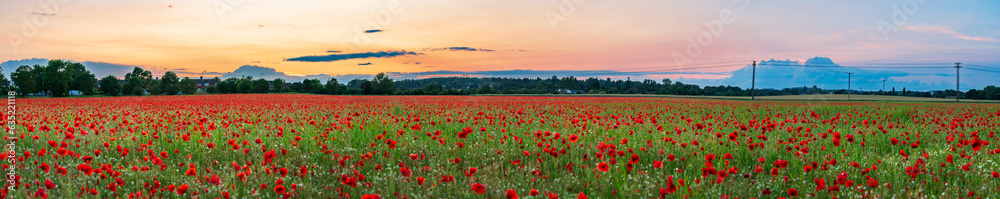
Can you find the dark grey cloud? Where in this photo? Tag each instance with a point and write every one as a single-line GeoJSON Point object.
{"type": "Point", "coordinates": [103, 69]}
{"type": "Point", "coordinates": [43, 14]}
{"type": "Point", "coordinates": [373, 31]}
{"type": "Point", "coordinates": [333, 51]}
{"type": "Point", "coordinates": [99, 69]}
{"type": "Point", "coordinates": [338, 57]}
{"type": "Point", "coordinates": [460, 49]}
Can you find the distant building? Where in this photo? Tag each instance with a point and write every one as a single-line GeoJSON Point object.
{"type": "Point", "coordinates": [203, 83]}
{"type": "Point", "coordinates": [569, 91]}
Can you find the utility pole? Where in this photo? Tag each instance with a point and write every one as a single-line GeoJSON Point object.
{"type": "Point", "coordinates": [883, 86]}
{"type": "Point", "coordinates": [849, 86]}
{"type": "Point", "coordinates": [753, 80]}
{"type": "Point", "coordinates": [957, 66]}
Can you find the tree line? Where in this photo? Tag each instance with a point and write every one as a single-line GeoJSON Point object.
{"type": "Point", "coordinates": [59, 77]}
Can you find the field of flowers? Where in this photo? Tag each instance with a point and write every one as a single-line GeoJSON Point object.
{"type": "Point", "coordinates": [312, 146]}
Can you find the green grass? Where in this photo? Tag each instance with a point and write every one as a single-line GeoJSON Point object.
{"type": "Point", "coordinates": [249, 117]}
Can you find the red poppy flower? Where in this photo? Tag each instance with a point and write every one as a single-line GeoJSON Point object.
{"type": "Point", "coordinates": [478, 188]}
{"type": "Point", "coordinates": [182, 189]}
{"type": "Point", "coordinates": [511, 194]}
{"type": "Point", "coordinates": [348, 181]}
{"type": "Point", "coordinates": [283, 172]}
{"type": "Point", "coordinates": [49, 184]}
{"type": "Point", "coordinates": [405, 171]}
{"type": "Point", "coordinates": [447, 178]}
{"type": "Point", "coordinates": [280, 189]}
{"type": "Point", "coordinates": [603, 166]}
{"type": "Point", "coordinates": [41, 193]}
{"type": "Point", "coordinates": [86, 169]}
{"type": "Point", "coordinates": [472, 171]}
{"type": "Point", "coordinates": [820, 184]}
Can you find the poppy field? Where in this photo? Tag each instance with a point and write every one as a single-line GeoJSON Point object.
{"type": "Point", "coordinates": [317, 146]}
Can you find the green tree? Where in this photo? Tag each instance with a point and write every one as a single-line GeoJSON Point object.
{"type": "Point", "coordinates": [24, 80]}
{"type": "Point", "coordinates": [366, 88]}
{"type": "Point", "coordinates": [188, 86]}
{"type": "Point", "coordinates": [169, 83]}
{"type": "Point", "coordinates": [312, 86]}
{"type": "Point", "coordinates": [81, 79]}
{"type": "Point", "coordinates": [4, 84]}
{"type": "Point", "coordinates": [137, 81]}
{"type": "Point", "coordinates": [433, 88]}
{"type": "Point", "coordinates": [110, 86]}
{"type": "Point", "coordinates": [278, 85]}
{"type": "Point", "coordinates": [212, 89]}
{"type": "Point", "coordinates": [153, 88]}
{"type": "Point", "coordinates": [244, 85]}
{"type": "Point", "coordinates": [134, 86]}
{"type": "Point", "coordinates": [567, 83]}
{"type": "Point", "coordinates": [296, 87]}
{"type": "Point", "coordinates": [261, 86]}
{"type": "Point", "coordinates": [55, 78]}
{"type": "Point", "coordinates": [382, 84]}
{"type": "Point", "coordinates": [332, 86]}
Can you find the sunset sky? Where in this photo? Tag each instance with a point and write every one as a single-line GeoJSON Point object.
{"type": "Point", "coordinates": [328, 37]}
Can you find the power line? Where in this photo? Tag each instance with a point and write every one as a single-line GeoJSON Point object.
{"type": "Point", "coordinates": [983, 70]}
{"type": "Point", "coordinates": [989, 67]}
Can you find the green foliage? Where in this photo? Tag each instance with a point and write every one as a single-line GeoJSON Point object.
{"type": "Point", "coordinates": [367, 88]}
{"type": "Point", "coordinates": [188, 86]}
{"type": "Point", "coordinates": [169, 83]}
{"type": "Point", "coordinates": [332, 87]}
{"type": "Point", "coordinates": [4, 84]}
{"type": "Point", "coordinates": [278, 85]}
{"type": "Point", "coordinates": [137, 81]}
{"type": "Point", "coordinates": [24, 80]}
{"type": "Point", "coordinates": [110, 86]}
{"type": "Point", "coordinates": [433, 89]}
{"type": "Point", "coordinates": [154, 88]}
{"type": "Point", "coordinates": [261, 86]}
{"type": "Point", "coordinates": [311, 86]}
{"type": "Point", "coordinates": [244, 85]}
{"type": "Point", "coordinates": [55, 79]}
{"type": "Point", "coordinates": [212, 89]}
{"type": "Point", "coordinates": [80, 78]}
{"type": "Point", "coordinates": [382, 84]}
